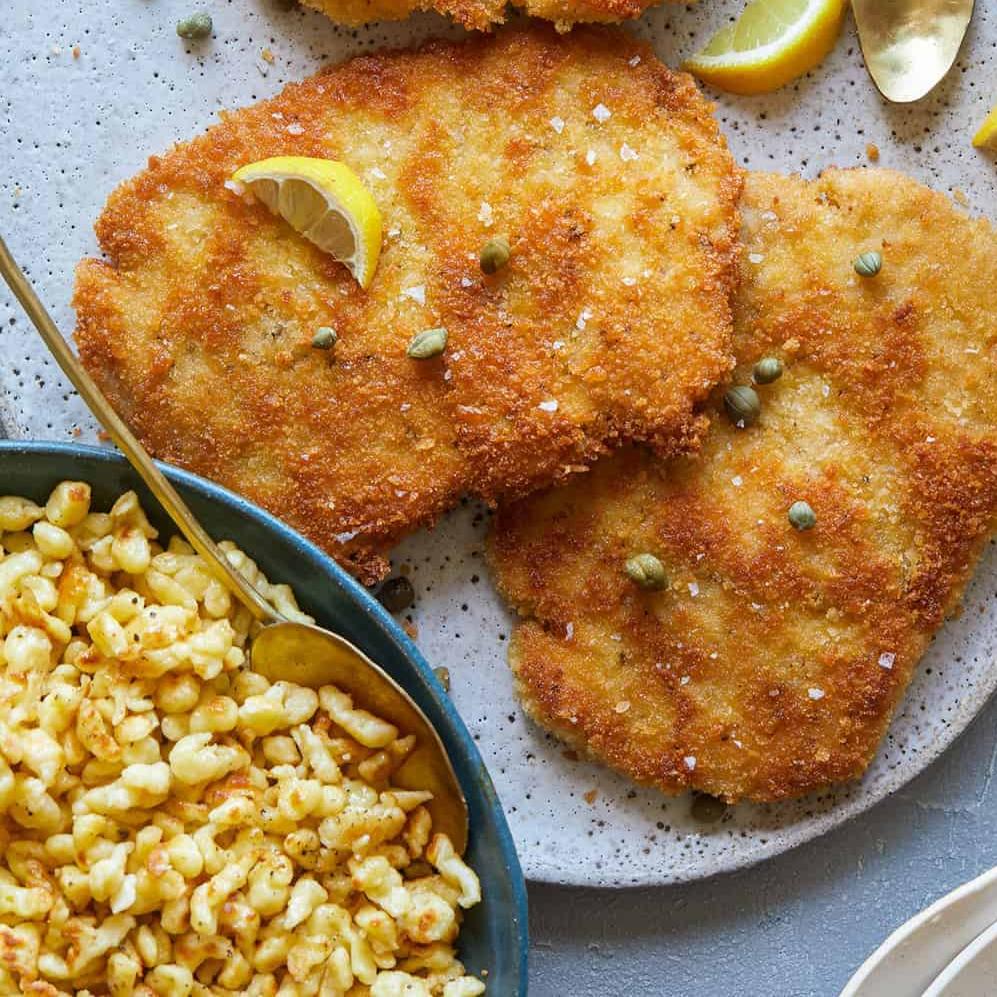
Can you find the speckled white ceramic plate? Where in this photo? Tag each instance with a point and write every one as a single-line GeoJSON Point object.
{"type": "Point", "coordinates": [73, 126]}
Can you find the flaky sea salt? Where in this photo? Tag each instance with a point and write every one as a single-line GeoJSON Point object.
{"type": "Point", "coordinates": [377, 173]}
{"type": "Point", "coordinates": [815, 693]}
{"type": "Point", "coordinates": [684, 680]}
{"type": "Point", "coordinates": [737, 481]}
{"type": "Point", "coordinates": [755, 258]}
{"type": "Point", "coordinates": [548, 406]}
{"type": "Point", "coordinates": [295, 129]}
{"type": "Point", "coordinates": [485, 214]}
{"type": "Point", "coordinates": [690, 762]}
{"type": "Point", "coordinates": [622, 706]}
{"type": "Point", "coordinates": [583, 318]}
{"type": "Point", "coordinates": [886, 659]}
{"type": "Point", "coordinates": [635, 61]}
{"type": "Point", "coordinates": [557, 124]}
{"type": "Point", "coordinates": [416, 293]}
{"type": "Point", "coordinates": [627, 154]}
{"type": "Point", "coordinates": [590, 157]}
{"type": "Point", "coordinates": [693, 589]}
{"type": "Point", "coordinates": [601, 113]}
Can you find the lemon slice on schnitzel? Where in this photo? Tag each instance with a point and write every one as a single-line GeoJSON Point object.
{"type": "Point", "coordinates": [326, 202]}
{"type": "Point", "coordinates": [771, 43]}
{"type": "Point", "coordinates": [986, 136]}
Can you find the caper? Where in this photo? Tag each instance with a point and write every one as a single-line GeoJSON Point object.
{"type": "Point", "coordinates": [707, 809]}
{"type": "Point", "coordinates": [767, 370]}
{"type": "Point", "coordinates": [802, 516]}
{"type": "Point", "coordinates": [430, 343]}
{"type": "Point", "coordinates": [196, 26]}
{"type": "Point", "coordinates": [396, 594]}
{"type": "Point", "coordinates": [324, 338]}
{"type": "Point", "coordinates": [868, 264]}
{"type": "Point", "coordinates": [495, 254]}
{"type": "Point", "coordinates": [646, 571]}
{"type": "Point", "coordinates": [443, 674]}
{"type": "Point", "coordinates": [742, 405]}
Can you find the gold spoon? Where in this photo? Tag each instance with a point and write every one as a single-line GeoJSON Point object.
{"type": "Point", "coordinates": [284, 650]}
{"type": "Point", "coordinates": [909, 45]}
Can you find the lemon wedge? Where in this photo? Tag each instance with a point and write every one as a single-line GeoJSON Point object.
{"type": "Point", "coordinates": [771, 43]}
{"type": "Point", "coordinates": [326, 202]}
{"type": "Point", "coordinates": [986, 136]}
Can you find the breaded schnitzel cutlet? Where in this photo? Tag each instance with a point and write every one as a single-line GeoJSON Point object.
{"type": "Point", "coordinates": [771, 663]}
{"type": "Point", "coordinates": [608, 175]}
{"type": "Point", "coordinates": [482, 15]}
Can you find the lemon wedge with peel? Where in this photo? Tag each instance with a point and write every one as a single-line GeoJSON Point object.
{"type": "Point", "coordinates": [326, 202]}
{"type": "Point", "coordinates": [771, 43]}
{"type": "Point", "coordinates": [986, 136]}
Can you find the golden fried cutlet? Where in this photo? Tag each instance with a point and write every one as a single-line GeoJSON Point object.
{"type": "Point", "coordinates": [772, 663]}
{"type": "Point", "coordinates": [611, 321]}
{"type": "Point", "coordinates": [482, 15]}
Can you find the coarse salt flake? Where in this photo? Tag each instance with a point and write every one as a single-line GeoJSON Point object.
{"type": "Point", "coordinates": [548, 406]}
{"type": "Point", "coordinates": [622, 706]}
{"type": "Point", "coordinates": [583, 318]}
{"type": "Point", "coordinates": [557, 124]}
{"type": "Point", "coordinates": [693, 589]}
{"type": "Point", "coordinates": [756, 257]}
{"type": "Point", "coordinates": [825, 390]}
{"type": "Point", "coordinates": [737, 481]}
{"type": "Point", "coordinates": [466, 282]}
{"type": "Point", "coordinates": [627, 154]}
{"type": "Point", "coordinates": [886, 659]}
{"type": "Point", "coordinates": [294, 128]}
{"type": "Point", "coordinates": [558, 344]}
{"type": "Point", "coordinates": [377, 173]}
{"type": "Point", "coordinates": [485, 214]}
{"type": "Point", "coordinates": [416, 293]}
{"type": "Point", "coordinates": [569, 631]}
{"type": "Point", "coordinates": [590, 157]}
{"type": "Point", "coordinates": [635, 61]}
{"type": "Point", "coordinates": [345, 537]}
{"type": "Point", "coordinates": [815, 693]}
{"type": "Point", "coordinates": [690, 762]}
{"type": "Point", "coordinates": [629, 281]}
{"type": "Point", "coordinates": [684, 680]}
{"type": "Point", "coordinates": [601, 113]}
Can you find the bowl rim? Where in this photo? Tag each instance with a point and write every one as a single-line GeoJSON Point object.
{"type": "Point", "coordinates": [373, 610]}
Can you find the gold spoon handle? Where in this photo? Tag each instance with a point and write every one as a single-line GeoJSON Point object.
{"type": "Point", "coordinates": [137, 455]}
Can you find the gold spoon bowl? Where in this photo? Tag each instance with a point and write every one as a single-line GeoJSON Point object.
{"type": "Point", "coordinates": [909, 45]}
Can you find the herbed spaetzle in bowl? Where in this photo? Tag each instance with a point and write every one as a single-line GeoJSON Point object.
{"type": "Point", "coordinates": [172, 822]}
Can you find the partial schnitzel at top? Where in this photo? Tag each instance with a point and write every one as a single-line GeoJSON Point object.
{"type": "Point", "coordinates": [611, 321]}
{"type": "Point", "coordinates": [483, 15]}
{"type": "Point", "coordinates": [772, 661]}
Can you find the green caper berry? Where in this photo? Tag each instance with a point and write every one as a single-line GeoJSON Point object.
{"type": "Point", "coordinates": [443, 674]}
{"type": "Point", "coordinates": [707, 809]}
{"type": "Point", "coordinates": [868, 264]}
{"type": "Point", "coordinates": [430, 343]}
{"type": "Point", "coordinates": [767, 370]}
{"type": "Point", "coordinates": [324, 338]}
{"type": "Point", "coordinates": [396, 594]}
{"type": "Point", "coordinates": [742, 405]}
{"type": "Point", "coordinates": [801, 516]}
{"type": "Point", "coordinates": [196, 26]}
{"type": "Point", "coordinates": [646, 571]}
{"type": "Point", "coordinates": [495, 254]}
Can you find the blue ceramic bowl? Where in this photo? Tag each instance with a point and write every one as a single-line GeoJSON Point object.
{"type": "Point", "coordinates": [494, 935]}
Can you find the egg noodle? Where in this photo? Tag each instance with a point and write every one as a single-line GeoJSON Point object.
{"type": "Point", "coordinates": [173, 824]}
